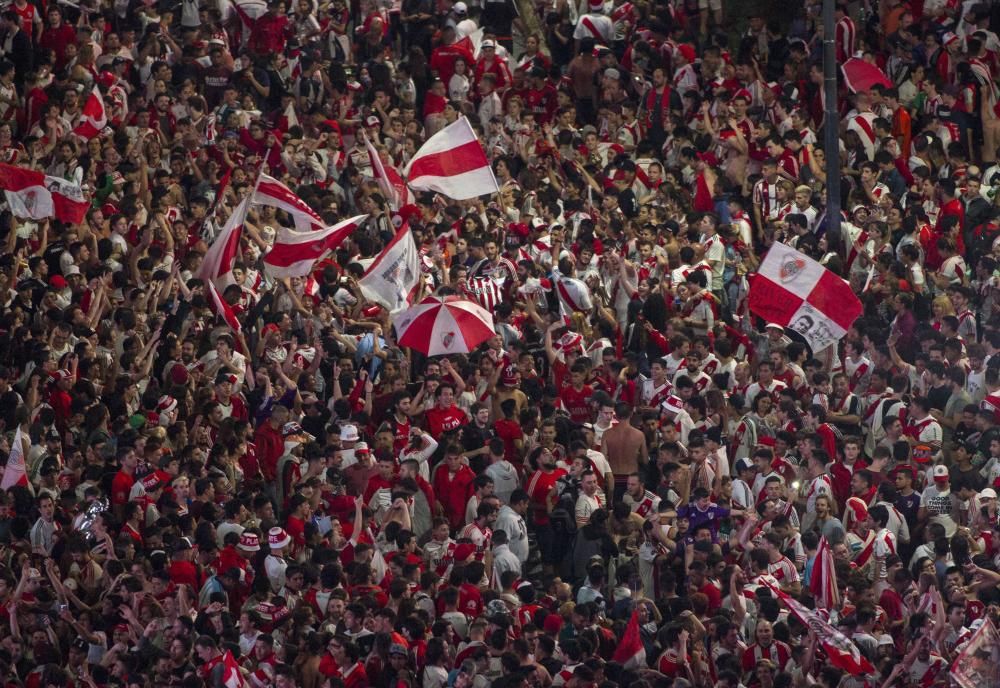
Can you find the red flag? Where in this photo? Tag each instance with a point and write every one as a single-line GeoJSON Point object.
{"type": "Point", "coordinates": [34, 195]}
{"type": "Point", "coordinates": [273, 193]}
{"type": "Point", "coordinates": [93, 117]}
{"type": "Point", "coordinates": [295, 253]}
{"type": "Point", "coordinates": [823, 579]}
{"type": "Point", "coordinates": [842, 653]}
{"type": "Point", "coordinates": [631, 653]}
{"type": "Point", "coordinates": [14, 473]}
{"type": "Point", "coordinates": [453, 163]}
{"type": "Point", "coordinates": [794, 291]}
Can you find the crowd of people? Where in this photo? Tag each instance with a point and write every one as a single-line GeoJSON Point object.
{"type": "Point", "coordinates": [633, 482]}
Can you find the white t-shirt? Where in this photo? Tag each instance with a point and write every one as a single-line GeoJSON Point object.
{"type": "Point", "coordinates": [938, 505]}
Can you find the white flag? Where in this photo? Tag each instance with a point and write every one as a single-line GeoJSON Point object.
{"type": "Point", "coordinates": [14, 473]}
{"type": "Point", "coordinates": [394, 274]}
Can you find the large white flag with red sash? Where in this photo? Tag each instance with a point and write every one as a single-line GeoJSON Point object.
{"type": "Point", "coordinates": [794, 291]}
{"type": "Point", "coordinates": [273, 193]}
{"type": "Point", "coordinates": [14, 472]}
{"type": "Point", "coordinates": [841, 652]}
{"type": "Point", "coordinates": [217, 265]}
{"type": "Point", "coordinates": [452, 162]}
{"type": "Point", "coordinates": [395, 272]}
{"type": "Point", "coordinates": [295, 253]}
{"type": "Point", "coordinates": [93, 117]}
{"type": "Point", "coordinates": [32, 194]}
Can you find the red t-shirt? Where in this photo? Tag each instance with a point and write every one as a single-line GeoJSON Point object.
{"type": "Point", "coordinates": [121, 486]}
{"type": "Point", "coordinates": [440, 421]}
{"type": "Point", "coordinates": [470, 601]}
{"type": "Point", "coordinates": [577, 402]}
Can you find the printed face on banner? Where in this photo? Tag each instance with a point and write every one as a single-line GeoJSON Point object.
{"type": "Point", "coordinates": [815, 327]}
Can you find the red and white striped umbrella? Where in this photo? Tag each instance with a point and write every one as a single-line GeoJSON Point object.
{"type": "Point", "coordinates": [441, 325]}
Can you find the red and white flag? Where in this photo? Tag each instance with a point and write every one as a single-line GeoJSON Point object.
{"type": "Point", "coordinates": [395, 272]}
{"type": "Point", "coordinates": [841, 652]}
{"type": "Point", "coordinates": [221, 307]}
{"type": "Point", "coordinates": [231, 675]}
{"type": "Point", "coordinates": [486, 291]}
{"type": "Point", "coordinates": [288, 119]}
{"type": "Point", "coordinates": [452, 162]}
{"type": "Point", "coordinates": [472, 42]}
{"type": "Point", "coordinates": [295, 253]}
{"type": "Point", "coordinates": [978, 661]}
{"type": "Point", "coordinates": [796, 292]}
{"type": "Point", "coordinates": [93, 117]}
{"type": "Point", "coordinates": [217, 265]}
{"type": "Point", "coordinates": [631, 653]}
{"type": "Point", "coordinates": [273, 193]}
{"type": "Point", "coordinates": [823, 580]}
{"type": "Point", "coordinates": [14, 473]}
{"type": "Point", "coordinates": [32, 194]}
{"type": "Point", "coordinates": [396, 193]}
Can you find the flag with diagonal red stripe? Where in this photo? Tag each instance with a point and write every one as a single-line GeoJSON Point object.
{"type": "Point", "coordinates": [794, 291]}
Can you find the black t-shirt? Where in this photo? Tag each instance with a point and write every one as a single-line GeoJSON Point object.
{"type": "Point", "coordinates": [938, 396]}
{"type": "Point", "coordinates": [498, 16]}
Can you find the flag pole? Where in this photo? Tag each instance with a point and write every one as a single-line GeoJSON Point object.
{"type": "Point", "coordinates": [831, 118]}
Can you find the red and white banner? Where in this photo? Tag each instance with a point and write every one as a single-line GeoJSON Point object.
{"type": "Point", "coordinates": [841, 652]}
{"type": "Point", "coordinates": [295, 253]}
{"type": "Point", "coordinates": [220, 307]}
{"type": "Point", "coordinates": [395, 272]}
{"type": "Point", "coordinates": [452, 162]}
{"type": "Point", "coordinates": [486, 291]}
{"type": "Point", "coordinates": [473, 42]}
{"type": "Point", "coordinates": [93, 117]}
{"type": "Point", "coordinates": [14, 473]}
{"type": "Point", "coordinates": [796, 292]}
{"type": "Point", "coordinates": [288, 118]}
{"type": "Point", "coordinates": [273, 193]}
{"type": "Point", "coordinates": [631, 653]}
{"type": "Point", "coordinates": [231, 675]}
{"type": "Point", "coordinates": [823, 580]}
{"type": "Point", "coordinates": [217, 266]}
{"type": "Point", "coordinates": [396, 193]}
{"type": "Point", "coordinates": [978, 661]}
{"type": "Point", "coordinates": [32, 194]}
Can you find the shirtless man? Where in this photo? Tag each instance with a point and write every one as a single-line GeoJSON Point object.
{"type": "Point", "coordinates": [625, 448]}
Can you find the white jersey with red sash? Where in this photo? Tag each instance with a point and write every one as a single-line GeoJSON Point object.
{"type": "Point", "coordinates": [481, 538]}
{"type": "Point", "coordinates": [863, 123]}
{"type": "Point", "coordinates": [653, 395]}
{"type": "Point", "coordinates": [595, 26]}
{"type": "Point", "coordinates": [927, 430]}
{"type": "Point", "coordinates": [646, 506]}
{"type": "Point", "coordinates": [821, 485]}
{"type": "Point", "coordinates": [924, 673]}
{"type": "Point", "coordinates": [858, 372]}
